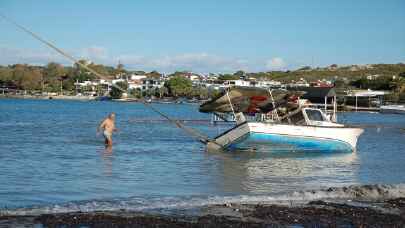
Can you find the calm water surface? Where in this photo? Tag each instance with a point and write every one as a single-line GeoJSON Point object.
{"type": "Point", "coordinates": [50, 155]}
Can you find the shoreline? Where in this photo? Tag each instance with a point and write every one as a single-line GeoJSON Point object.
{"type": "Point", "coordinates": [389, 212]}
{"type": "Point", "coordinates": [90, 98]}
{"type": "Point", "coordinates": [169, 100]}
{"type": "Point", "coordinates": [40, 97]}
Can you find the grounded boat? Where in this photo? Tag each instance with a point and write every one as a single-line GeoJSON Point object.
{"type": "Point", "coordinates": [393, 109]}
{"type": "Point", "coordinates": [311, 134]}
{"type": "Point", "coordinates": [300, 128]}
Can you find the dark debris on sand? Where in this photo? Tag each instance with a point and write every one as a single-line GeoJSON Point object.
{"type": "Point", "coordinates": [390, 213]}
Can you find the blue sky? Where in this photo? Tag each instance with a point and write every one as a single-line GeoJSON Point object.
{"type": "Point", "coordinates": [209, 35]}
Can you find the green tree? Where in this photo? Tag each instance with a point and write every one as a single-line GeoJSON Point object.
{"type": "Point", "coordinates": [305, 68]}
{"type": "Point", "coordinates": [136, 93]}
{"type": "Point", "coordinates": [380, 83]}
{"type": "Point", "coordinates": [31, 79]}
{"type": "Point", "coordinates": [115, 92]}
{"type": "Point", "coordinates": [68, 84]}
{"type": "Point", "coordinates": [101, 69]}
{"type": "Point", "coordinates": [163, 91]}
{"type": "Point", "coordinates": [200, 92]}
{"type": "Point", "coordinates": [215, 93]}
{"type": "Point", "coordinates": [120, 71]}
{"type": "Point", "coordinates": [224, 77]}
{"type": "Point", "coordinates": [179, 86]}
{"type": "Point", "coordinates": [179, 73]}
{"type": "Point", "coordinates": [240, 73]}
{"type": "Point", "coordinates": [6, 75]}
{"type": "Point", "coordinates": [81, 74]}
{"type": "Point", "coordinates": [51, 76]}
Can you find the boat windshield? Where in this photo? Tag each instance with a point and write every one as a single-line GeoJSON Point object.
{"type": "Point", "coordinates": [314, 115]}
{"type": "Point", "coordinates": [297, 118]}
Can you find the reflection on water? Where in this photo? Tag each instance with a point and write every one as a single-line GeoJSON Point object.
{"type": "Point", "coordinates": [107, 156]}
{"type": "Point", "coordinates": [259, 172]}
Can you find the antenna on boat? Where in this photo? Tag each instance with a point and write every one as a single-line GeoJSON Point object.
{"type": "Point", "coordinates": [190, 131]}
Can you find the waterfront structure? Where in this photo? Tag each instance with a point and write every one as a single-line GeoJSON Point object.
{"type": "Point", "coordinates": [319, 96]}
{"type": "Point", "coordinates": [365, 98]}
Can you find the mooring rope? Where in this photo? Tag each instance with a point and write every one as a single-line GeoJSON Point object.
{"type": "Point", "coordinates": [190, 131]}
{"type": "Point", "coordinates": [230, 103]}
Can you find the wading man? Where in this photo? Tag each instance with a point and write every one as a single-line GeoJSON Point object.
{"type": "Point", "coordinates": [108, 126]}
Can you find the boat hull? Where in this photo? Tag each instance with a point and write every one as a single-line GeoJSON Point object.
{"type": "Point", "coordinates": [286, 142]}
{"type": "Point", "coordinates": [296, 137]}
{"type": "Point", "coordinates": [393, 109]}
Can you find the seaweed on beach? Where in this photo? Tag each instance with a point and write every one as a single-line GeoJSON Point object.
{"type": "Point", "coordinates": [388, 213]}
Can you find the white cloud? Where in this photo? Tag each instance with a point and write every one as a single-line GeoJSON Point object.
{"type": "Point", "coordinates": [276, 63]}
{"type": "Point", "coordinates": [42, 57]}
{"type": "Point", "coordinates": [95, 53]}
{"type": "Point", "coordinates": [35, 57]}
{"type": "Point", "coordinates": [201, 62]}
{"type": "Point", "coordinates": [198, 62]}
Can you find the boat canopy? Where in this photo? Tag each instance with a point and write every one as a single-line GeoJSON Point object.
{"type": "Point", "coordinates": [316, 94]}
{"type": "Point", "coordinates": [251, 100]}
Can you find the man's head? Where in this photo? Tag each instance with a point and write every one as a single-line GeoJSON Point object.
{"type": "Point", "coordinates": [111, 115]}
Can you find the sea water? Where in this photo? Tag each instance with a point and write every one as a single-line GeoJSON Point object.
{"type": "Point", "coordinates": [52, 160]}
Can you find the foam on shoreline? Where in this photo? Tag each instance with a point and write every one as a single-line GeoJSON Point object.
{"type": "Point", "coordinates": [365, 193]}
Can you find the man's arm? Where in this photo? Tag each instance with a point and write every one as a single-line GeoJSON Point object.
{"type": "Point", "coordinates": [101, 126]}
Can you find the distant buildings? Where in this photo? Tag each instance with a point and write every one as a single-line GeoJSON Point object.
{"type": "Point", "coordinates": [372, 77]}
{"type": "Point", "coordinates": [148, 82]}
{"type": "Point", "coordinates": [151, 84]}
{"type": "Point", "coordinates": [93, 88]}
{"type": "Point", "coordinates": [300, 83]}
{"type": "Point", "coordinates": [321, 83]}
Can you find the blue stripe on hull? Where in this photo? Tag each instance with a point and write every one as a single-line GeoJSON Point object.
{"type": "Point", "coordinates": [284, 142]}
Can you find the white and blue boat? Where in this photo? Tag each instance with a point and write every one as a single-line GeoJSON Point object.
{"type": "Point", "coordinates": [393, 109]}
{"type": "Point", "coordinates": [313, 132]}
{"type": "Point", "coordinates": [300, 127]}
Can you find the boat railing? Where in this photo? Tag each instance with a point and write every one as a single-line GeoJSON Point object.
{"type": "Point", "coordinates": [230, 118]}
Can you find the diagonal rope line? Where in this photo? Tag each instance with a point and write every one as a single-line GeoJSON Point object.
{"type": "Point", "coordinates": [202, 138]}
{"type": "Point", "coordinates": [55, 48]}
{"type": "Point", "coordinates": [190, 131]}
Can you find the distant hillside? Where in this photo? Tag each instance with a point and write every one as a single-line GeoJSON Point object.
{"type": "Point", "coordinates": [332, 72]}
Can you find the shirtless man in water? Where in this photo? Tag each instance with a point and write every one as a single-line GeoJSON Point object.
{"type": "Point", "coordinates": [108, 125]}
